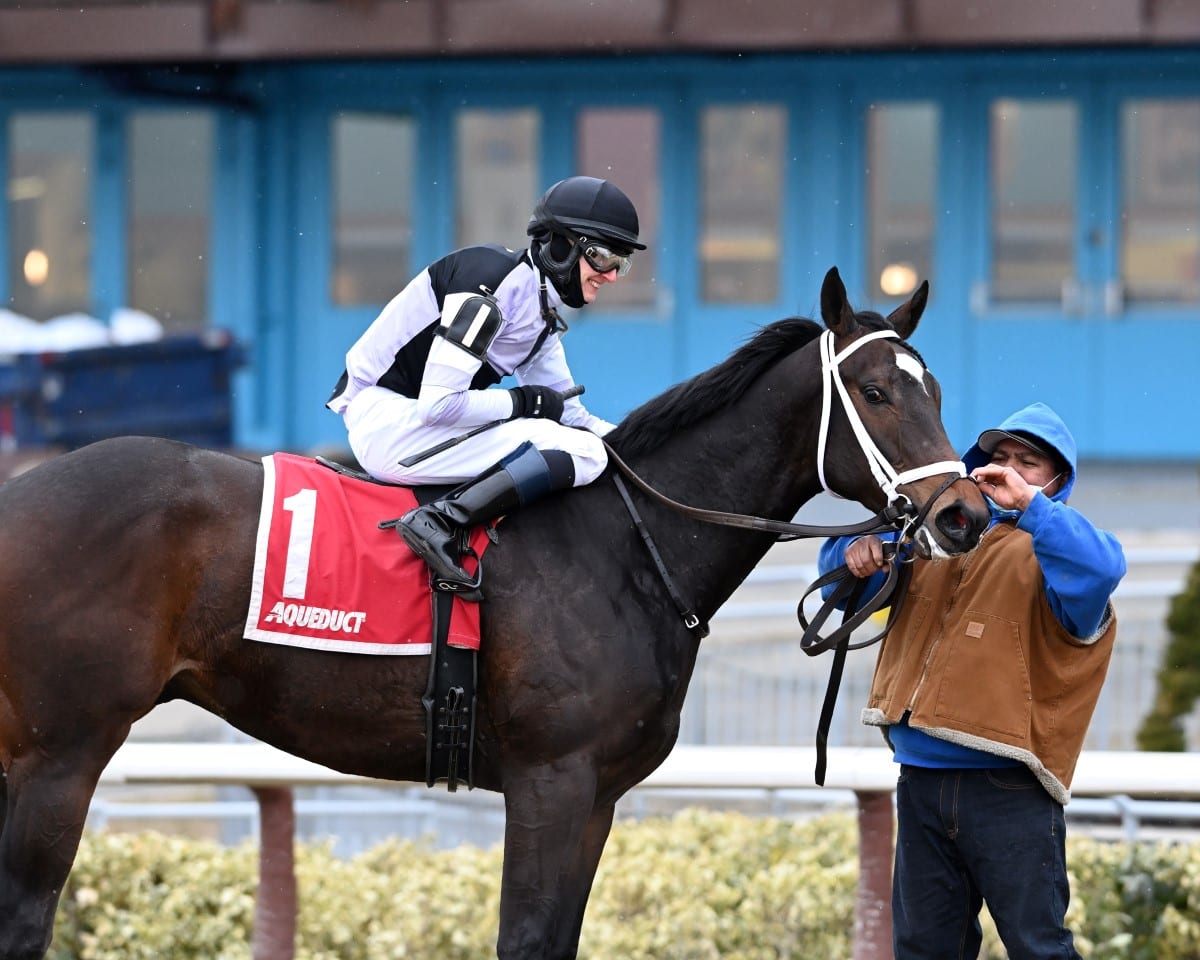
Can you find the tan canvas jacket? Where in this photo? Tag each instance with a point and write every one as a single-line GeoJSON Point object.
{"type": "Point", "coordinates": [979, 658]}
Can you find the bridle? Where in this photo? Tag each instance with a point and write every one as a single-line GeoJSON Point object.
{"type": "Point", "coordinates": [888, 478]}
{"type": "Point", "coordinates": [900, 515]}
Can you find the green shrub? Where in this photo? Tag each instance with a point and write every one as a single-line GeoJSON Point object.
{"type": "Point", "coordinates": [1135, 901]}
{"type": "Point", "coordinates": [1179, 675]}
{"type": "Point", "coordinates": [697, 886]}
{"type": "Point", "coordinates": [135, 896]}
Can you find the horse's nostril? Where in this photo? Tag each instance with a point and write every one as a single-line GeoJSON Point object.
{"type": "Point", "coordinates": [956, 524]}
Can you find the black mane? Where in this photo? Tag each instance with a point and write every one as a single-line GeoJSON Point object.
{"type": "Point", "coordinates": [659, 419]}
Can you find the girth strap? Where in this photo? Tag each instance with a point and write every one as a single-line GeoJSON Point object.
{"type": "Point", "coordinates": [449, 703]}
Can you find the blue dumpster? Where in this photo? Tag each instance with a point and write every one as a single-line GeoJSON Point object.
{"type": "Point", "coordinates": [178, 387]}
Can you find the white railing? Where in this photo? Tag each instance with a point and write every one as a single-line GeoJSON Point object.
{"type": "Point", "coordinates": [1099, 773]}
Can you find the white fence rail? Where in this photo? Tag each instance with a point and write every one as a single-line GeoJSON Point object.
{"type": "Point", "coordinates": [1099, 773]}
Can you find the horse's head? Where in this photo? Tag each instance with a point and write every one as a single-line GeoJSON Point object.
{"type": "Point", "coordinates": [883, 439]}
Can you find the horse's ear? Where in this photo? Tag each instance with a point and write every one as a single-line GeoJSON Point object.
{"type": "Point", "coordinates": [905, 317]}
{"type": "Point", "coordinates": [835, 308]}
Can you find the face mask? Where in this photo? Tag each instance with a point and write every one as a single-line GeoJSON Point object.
{"type": "Point", "coordinates": [1043, 487]}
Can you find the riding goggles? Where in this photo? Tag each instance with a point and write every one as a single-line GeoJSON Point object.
{"type": "Point", "coordinates": [602, 259]}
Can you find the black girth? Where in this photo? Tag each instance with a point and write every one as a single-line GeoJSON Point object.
{"type": "Point", "coordinates": [449, 699]}
{"type": "Point", "coordinates": [449, 704]}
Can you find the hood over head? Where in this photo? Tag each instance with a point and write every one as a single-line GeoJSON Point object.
{"type": "Point", "coordinates": [1038, 426]}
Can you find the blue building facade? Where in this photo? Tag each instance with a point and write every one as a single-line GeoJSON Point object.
{"type": "Point", "coordinates": [1051, 197]}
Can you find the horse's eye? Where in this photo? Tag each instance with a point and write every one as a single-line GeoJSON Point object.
{"type": "Point", "coordinates": [874, 395]}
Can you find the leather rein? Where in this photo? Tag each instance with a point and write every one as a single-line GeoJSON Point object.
{"type": "Point", "coordinates": [900, 516]}
{"type": "Point", "coordinates": [895, 517]}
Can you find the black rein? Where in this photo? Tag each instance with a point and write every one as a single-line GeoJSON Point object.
{"type": "Point", "coordinates": [891, 517]}
{"type": "Point", "coordinates": [848, 592]}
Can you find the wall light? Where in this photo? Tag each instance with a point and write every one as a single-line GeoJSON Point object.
{"type": "Point", "coordinates": [897, 279]}
{"type": "Point", "coordinates": [37, 267]}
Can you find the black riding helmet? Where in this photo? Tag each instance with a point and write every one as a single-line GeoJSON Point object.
{"type": "Point", "coordinates": [573, 211]}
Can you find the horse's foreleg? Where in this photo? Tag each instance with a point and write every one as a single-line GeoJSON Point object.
{"type": "Point", "coordinates": [46, 805]}
{"type": "Point", "coordinates": [577, 887]}
{"type": "Point", "coordinates": [547, 811]}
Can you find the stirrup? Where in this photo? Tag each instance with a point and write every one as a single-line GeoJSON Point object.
{"type": "Point", "coordinates": [467, 589]}
{"type": "Point", "coordinates": [461, 583]}
{"type": "Point", "coordinates": [445, 578]}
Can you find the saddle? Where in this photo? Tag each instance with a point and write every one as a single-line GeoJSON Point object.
{"type": "Point", "coordinates": [449, 699]}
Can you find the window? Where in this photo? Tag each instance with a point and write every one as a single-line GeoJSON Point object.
{"type": "Point", "coordinates": [497, 176]}
{"type": "Point", "coordinates": [902, 152]}
{"type": "Point", "coordinates": [49, 213]}
{"type": "Point", "coordinates": [170, 199]}
{"type": "Point", "coordinates": [374, 159]}
{"type": "Point", "coordinates": [741, 203]}
{"type": "Point", "coordinates": [1034, 159]}
{"type": "Point", "coordinates": [1160, 215]}
{"type": "Point", "coordinates": [623, 146]}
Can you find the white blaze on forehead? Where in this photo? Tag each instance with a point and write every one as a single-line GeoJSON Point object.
{"type": "Point", "coordinates": [912, 366]}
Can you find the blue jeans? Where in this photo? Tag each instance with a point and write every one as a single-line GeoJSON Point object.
{"type": "Point", "coordinates": [969, 836]}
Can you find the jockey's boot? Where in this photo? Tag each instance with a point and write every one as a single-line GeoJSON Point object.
{"type": "Point", "coordinates": [439, 532]}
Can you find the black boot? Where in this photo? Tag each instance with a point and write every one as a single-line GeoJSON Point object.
{"type": "Point", "coordinates": [437, 532]}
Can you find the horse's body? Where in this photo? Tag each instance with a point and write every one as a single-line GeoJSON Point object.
{"type": "Point", "coordinates": [124, 582]}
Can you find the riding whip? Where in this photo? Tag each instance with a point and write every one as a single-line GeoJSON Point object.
{"type": "Point", "coordinates": [575, 391]}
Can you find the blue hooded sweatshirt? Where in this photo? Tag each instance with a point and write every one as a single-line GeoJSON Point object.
{"type": "Point", "coordinates": [1081, 567]}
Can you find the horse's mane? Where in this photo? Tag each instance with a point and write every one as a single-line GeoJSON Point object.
{"type": "Point", "coordinates": [686, 403]}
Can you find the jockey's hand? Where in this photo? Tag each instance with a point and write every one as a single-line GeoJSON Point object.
{"type": "Point", "coordinates": [538, 402]}
{"type": "Point", "coordinates": [864, 557]}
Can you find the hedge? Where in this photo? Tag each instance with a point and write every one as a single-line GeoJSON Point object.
{"type": "Point", "coordinates": [1178, 682]}
{"type": "Point", "coordinates": [698, 886]}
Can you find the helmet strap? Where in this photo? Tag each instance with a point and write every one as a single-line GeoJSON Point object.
{"type": "Point", "coordinates": [554, 321]}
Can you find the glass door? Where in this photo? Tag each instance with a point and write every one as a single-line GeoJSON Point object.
{"type": "Point", "coordinates": [738, 276]}
{"type": "Point", "coordinates": [1147, 299]}
{"type": "Point", "coordinates": [1086, 264]}
{"type": "Point", "coordinates": [1036, 249]}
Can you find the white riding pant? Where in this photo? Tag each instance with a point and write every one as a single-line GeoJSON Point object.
{"type": "Point", "coordinates": [383, 429]}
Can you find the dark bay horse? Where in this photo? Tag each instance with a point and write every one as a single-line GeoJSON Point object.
{"type": "Point", "coordinates": [124, 583]}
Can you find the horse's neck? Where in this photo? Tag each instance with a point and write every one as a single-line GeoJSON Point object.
{"type": "Point", "coordinates": [757, 457]}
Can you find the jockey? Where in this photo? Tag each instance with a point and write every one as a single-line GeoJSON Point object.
{"type": "Point", "coordinates": [414, 398]}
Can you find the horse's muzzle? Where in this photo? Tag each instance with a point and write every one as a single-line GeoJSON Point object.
{"type": "Point", "coordinates": [959, 525]}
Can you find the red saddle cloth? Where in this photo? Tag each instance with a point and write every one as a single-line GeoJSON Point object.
{"type": "Point", "coordinates": [326, 576]}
